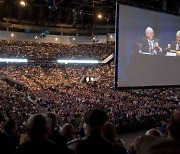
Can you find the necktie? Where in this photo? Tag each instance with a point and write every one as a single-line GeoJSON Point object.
{"type": "Point", "coordinates": [151, 46]}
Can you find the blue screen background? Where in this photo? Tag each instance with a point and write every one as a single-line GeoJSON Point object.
{"type": "Point", "coordinates": [132, 23]}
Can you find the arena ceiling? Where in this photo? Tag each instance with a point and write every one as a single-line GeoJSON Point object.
{"type": "Point", "coordinates": [82, 14]}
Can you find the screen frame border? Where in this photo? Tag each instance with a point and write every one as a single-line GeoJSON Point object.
{"type": "Point", "coordinates": [116, 87]}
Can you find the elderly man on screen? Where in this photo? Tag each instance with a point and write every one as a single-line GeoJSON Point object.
{"type": "Point", "coordinates": [175, 45]}
{"type": "Point", "coordinates": [149, 44]}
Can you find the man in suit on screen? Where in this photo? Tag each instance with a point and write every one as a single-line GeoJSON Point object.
{"type": "Point", "coordinates": [149, 44]}
{"type": "Point", "coordinates": [175, 45]}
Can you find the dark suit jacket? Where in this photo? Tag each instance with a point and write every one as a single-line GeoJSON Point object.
{"type": "Point", "coordinates": [173, 45]}
{"type": "Point", "coordinates": [94, 145]}
{"type": "Point", "coordinates": [157, 145]}
{"type": "Point", "coordinates": [145, 44]}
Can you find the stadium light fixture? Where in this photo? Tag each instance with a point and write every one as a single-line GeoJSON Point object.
{"type": "Point", "coordinates": [41, 36]}
{"type": "Point", "coordinates": [91, 79]}
{"type": "Point", "coordinates": [7, 60]}
{"type": "Point", "coordinates": [12, 35]}
{"type": "Point", "coordinates": [87, 79]}
{"type": "Point", "coordinates": [99, 16]}
{"type": "Point", "coordinates": [22, 3]}
{"type": "Point", "coordinates": [78, 61]}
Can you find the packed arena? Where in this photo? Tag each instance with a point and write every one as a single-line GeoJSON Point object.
{"type": "Point", "coordinates": [42, 51]}
{"type": "Point", "coordinates": [111, 84]}
{"type": "Point", "coordinates": [26, 90]}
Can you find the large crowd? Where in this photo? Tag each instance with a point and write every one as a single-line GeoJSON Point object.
{"type": "Point", "coordinates": [51, 51]}
{"type": "Point", "coordinates": [30, 89]}
{"type": "Point", "coordinates": [63, 93]}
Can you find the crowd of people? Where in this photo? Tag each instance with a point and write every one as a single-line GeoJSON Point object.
{"type": "Point", "coordinates": [45, 135]}
{"type": "Point", "coordinates": [60, 89]}
{"type": "Point", "coordinates": [52, 51]}
{"type": "Point", "coordinates": [30, 89]}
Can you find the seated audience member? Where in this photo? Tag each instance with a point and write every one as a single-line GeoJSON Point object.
{"type": "Point", "coordinates": [173, 128]}
{"type": "Point", "coordinates": [149, 44]}
{"type": "Point", "coordinates": [109, 132]}
{"type": "Point", "coordinates": [160, 145]}
{"type": "Point", "coordinates": [175, 45]}
{"type": "Point", "coordinates": [56, 136]}
{"type": "Point", "coordinates": [39, 130]}
{"type": "Point", "coordinates": [8, 139]}
{"type": "Point", "coordinates": [94, 142]}
{"type": "Point", "coordinates": [151, 132]}
{"type": "Point", "coordinates": [55, 129]}
{"type": "Point", "coordinates": [67, 132]}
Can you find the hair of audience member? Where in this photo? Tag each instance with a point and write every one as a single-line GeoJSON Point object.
{"type": "Point", "coordinates": [154, 132]}
{"type": "Point", "coordinates": [38, 126]}
{"type": "Point", "coordinates": [149, 30]}
{"type": "Point", "coordinates": [53, 118]}
{"type": "Point", "coordinates": [109, 132]}
{"type": "Point", "coordinates": [66, 129]}
{"type": "Point", "coordinates": [174, 125]}
{"type": "Point", "coordinates": [94, 120]}
{"type": "Point", "coordinates": [67, 132]}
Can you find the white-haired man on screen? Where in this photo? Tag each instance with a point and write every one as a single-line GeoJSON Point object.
{"type": "Point", "coordinates": [175, 45]}
{"type": "Point", "coordinates": [149, 44]}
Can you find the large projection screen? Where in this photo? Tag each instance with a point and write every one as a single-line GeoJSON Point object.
{"type": "Point", "coordinates": [147, 48]}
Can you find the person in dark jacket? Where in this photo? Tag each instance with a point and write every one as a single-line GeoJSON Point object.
{"type": "Point", "coordinates": [39, 130]}
{"type": "Point", "coordinates": [109, 132]}
{"type": "Point", "coordinates": [94, 142]}
{"type": "Point", "coordinates": [151, 144]}
{"type": "Point", "coordinates": [9, 140]}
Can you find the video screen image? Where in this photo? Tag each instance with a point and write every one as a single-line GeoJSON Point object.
{"type": "Point", "coordinates": [147, 48]}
